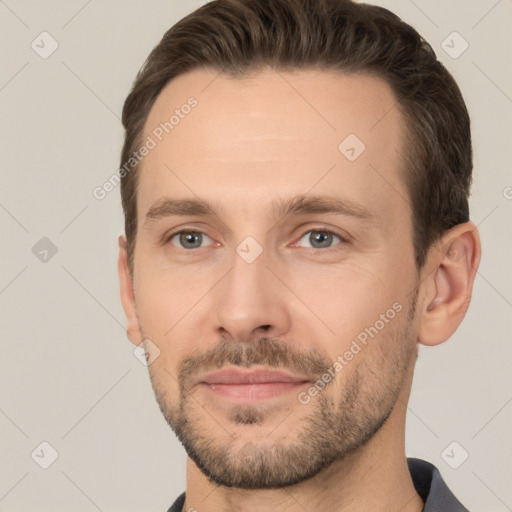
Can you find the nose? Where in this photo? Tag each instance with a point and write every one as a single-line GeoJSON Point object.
{"type": "Point", "coordinates": [251, 302]}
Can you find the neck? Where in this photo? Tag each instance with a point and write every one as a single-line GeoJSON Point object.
{"type": "Point", "coordinates": [375, 477]}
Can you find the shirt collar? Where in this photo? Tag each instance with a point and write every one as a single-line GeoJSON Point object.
{"type": "Point", "coordinates": [427, 480]}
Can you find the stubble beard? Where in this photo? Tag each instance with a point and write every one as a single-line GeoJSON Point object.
{"type": "Point", "coordinates": [329, 428]}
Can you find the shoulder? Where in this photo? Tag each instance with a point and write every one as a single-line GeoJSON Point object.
{"type": "Point", "coordinates": [432, 488]}
{"type": "Point", "coordinates": [177, 506]}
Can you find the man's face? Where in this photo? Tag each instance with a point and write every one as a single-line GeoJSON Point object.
{"type": "Point", "coordinates": [311, 292]}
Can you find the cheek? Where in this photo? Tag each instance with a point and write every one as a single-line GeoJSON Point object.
{"type": "Point", "coordinates": [166, 295]}
{"type": "Point", "coordinates": [346, 299]}
{"type": "Point", "coordinates": [171, 309]}
{"type": "Point", "coordinates": [371, 364]}
{"type": "Point", "coordinates": [158, 307]}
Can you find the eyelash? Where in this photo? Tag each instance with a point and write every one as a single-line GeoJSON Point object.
{"type": "Point", "coordinates": [334, 247]}
{"type": "Point", "coordinates": [315, 250]}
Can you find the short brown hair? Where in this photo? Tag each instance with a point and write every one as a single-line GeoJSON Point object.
{"type": "Point", "coordinates": [238, 37]}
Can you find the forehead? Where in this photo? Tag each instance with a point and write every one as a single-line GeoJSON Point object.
{"type": "Point", "coordinates": [274, 132]}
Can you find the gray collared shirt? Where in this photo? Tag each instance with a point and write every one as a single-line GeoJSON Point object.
{"type": "Point", "coordinates": [427, 480]}
{"type": "Point", "coordinates": [431, 487]}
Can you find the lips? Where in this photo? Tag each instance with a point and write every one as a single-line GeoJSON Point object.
{"type": "Point", "coordinates": [231, 376]}
{"type": "Point", "coordinates": [251, 385]}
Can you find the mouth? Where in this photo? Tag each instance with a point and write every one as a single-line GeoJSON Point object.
{"type": "Point", "coordinates": [251, 386]}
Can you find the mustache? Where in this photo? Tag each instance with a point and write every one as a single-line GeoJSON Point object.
{"type": "Point", "coordinates": [264, 351]}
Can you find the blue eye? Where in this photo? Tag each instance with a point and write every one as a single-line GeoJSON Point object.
{"type": "Point", "coordinates": [189, 239]}
{"type": "Point", "coordinates": [315, 239]}
{"type": "Point", "coordinates": [319, 239]}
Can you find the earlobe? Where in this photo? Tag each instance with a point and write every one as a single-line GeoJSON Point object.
{"type": "Point", "coordinates": [452, 267]}
{"type": "Point", "coordinates": [127, 294]}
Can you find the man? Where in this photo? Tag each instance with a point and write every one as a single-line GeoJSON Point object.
{"type": "Point", "coordinates": [295, 181]}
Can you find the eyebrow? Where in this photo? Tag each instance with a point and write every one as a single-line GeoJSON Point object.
{"type": "Point", "coordinates": [297, 205]}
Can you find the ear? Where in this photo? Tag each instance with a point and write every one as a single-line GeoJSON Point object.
{"type": "Point", "coordinates": [451, 265]}
{"type": "Point", "coordinates": [127, 295]}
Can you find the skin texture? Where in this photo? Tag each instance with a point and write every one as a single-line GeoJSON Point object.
{"type": "Point", "coordinates": [248, 144]}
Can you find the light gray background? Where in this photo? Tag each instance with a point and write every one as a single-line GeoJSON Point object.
{"type": "Point", "coordinates": [68, 375]}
